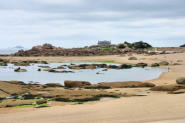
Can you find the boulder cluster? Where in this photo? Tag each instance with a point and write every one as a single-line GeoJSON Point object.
{"type": "Point", "coordinates": [177, 88]}
{"type": "Point", "coordinates": [49, 50]}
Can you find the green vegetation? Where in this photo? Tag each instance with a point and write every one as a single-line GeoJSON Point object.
{"type": "Point", "coordinates": [106, 61]}
{"type": "Point", "coordinates": [23, 106]}
{"type": "Point", "coordinates": [106, 48]}
{"type": "Point", "coordinates": [136, 45]}
{"type": "Point", "coordinates": [121, 46]}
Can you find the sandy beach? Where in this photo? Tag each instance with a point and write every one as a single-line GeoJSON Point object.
{"type": "Point", "coordinates": [156, 107]}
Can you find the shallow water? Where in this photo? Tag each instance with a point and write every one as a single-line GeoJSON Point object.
{"type": "Point", "coordinates": [32, 75]}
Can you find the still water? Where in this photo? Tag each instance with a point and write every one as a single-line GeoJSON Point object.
{"type": "Point", "coordinates": [32, 75]}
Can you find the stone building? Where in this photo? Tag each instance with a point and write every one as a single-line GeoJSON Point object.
{"type": "Point", "coordinates": [104, 43]}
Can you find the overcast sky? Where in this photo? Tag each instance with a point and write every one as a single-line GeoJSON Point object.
{"type": "Point", "coordinates": [75, 23]}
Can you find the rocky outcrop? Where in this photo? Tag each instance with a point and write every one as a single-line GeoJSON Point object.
{"type": "Point", "coordinates": [49, 50]}
{"type": "Point", "coordinates": [76, 84]}
{"type": "Point", "coordinates": [126, 84]}
{"type": "Point", "coordinates": [141, 65]}
{"type": "Point", "coordinates": [125, 66]}
{"type": "Point", "coordinates": [164, 63]}
{"type": "Point", "coordinates": [180, 80]}
{"type": "Point", "coordinates": [53, 85]}
{"type": "Point", "coordinates": [168, 88]}
{"type": "Point", "coordinates": [155, 65]}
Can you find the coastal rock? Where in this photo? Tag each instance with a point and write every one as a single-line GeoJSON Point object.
{"type": "Point", "coordinates": [165, 63]}
{"type": "Point", "coordinates": [131, 84]}
{"type": "Point", "coordinates": [48, 69]}
{"type": "Point", "coordinates": [141, 65]}
{"type": "Point", "coordinates": [60, 67]}
{"type": "Point", "coordinates": [41, 101]}
{"type": "Point", "coordinates": [53, 85]}
{"type": "Point", "coordinates": [180, 80]}
{"type": "Point", "coordinates": [20, 70]}
{"type": "Point", "coordinates": [155, 65]}
{"type": "Point", "coordinates": [55, 71]}
{"type": "Point", "coordinates": [112, 67]}
{"type": "Point", "coordinates": [83, 66]}
{"type": "Point", "coordinates": [76, 84]}
{"type": "Point", "coordinates": [125, 66]}
{"type": "Point", "coordinates": [132, 58]}
{"type": "Point", "coordinates": [168, 88]}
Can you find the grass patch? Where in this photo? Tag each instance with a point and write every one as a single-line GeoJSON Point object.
{"type": "Point", "coordinates": [107, 49]}
{"type": "Point", "coordinates": [106, 61]}
{"type": "Point", "coordinates": [23, 106]}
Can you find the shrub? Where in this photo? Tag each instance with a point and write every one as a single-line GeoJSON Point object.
{"type": "Point", "coordinates": [121, 46]}
{"type": "Point", "coordinates": [141, 45]}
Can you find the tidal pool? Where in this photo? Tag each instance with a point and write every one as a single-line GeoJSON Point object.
{"type": "Point", "coordinates": [112, 75]}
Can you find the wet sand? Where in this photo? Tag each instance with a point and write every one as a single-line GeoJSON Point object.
{"type": "Point", "coordinates": [157, 107]}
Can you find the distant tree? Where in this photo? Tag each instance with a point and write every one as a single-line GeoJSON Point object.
{"type": "Point", "coordinates": [121, 46]}
{"type": "Point", "coordinates": [182, 45]}
{"type": "Point", "coordinates": [141, 45]}
{"type": "Point", "coordinates": [128, 44]}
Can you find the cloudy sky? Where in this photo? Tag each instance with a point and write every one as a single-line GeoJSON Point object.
{"type": "Point", "coordinates": [75, 23]}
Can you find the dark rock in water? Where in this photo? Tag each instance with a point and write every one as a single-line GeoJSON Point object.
{"type": "Point", "coordinates": [60, 67]}
{"type": "Point", "coordinates": [113, 67]}
{"type": "Point", "coordinates": [76, 84]}
{"type": "Point", "coordinates": [125, 66]}
{"type": "Point", "coordinates": [132, 58]}
{"type": "Point", "coordinates": [39, 69]}
{"type": "Point", "coordinates": [52, 70]}
{"type": "Point", "coordinates": [20, 70]}
{"type": "Point", "coordinates": [47, 69]}
{"type": "Point", "coordinates": [74, 67]}
{"type": "Point", "coordinates": [101, 65]}
{"type": "Point", "coordinates": [82, 66]}
{"type": "Point", "coordinates": [155, 65]}
{"type": "Point", "coordinates": [181, 80]}
{"type": "Point", "coordinates": [165, 63]}
{"type": "Point", "coordinates": [55, 71]}
{"type": "Point", "coordinates": [53, 85]}
{"type": "Point", "coordinates": [141, 65]}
